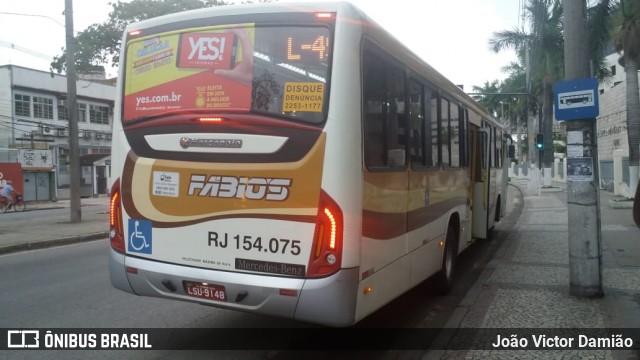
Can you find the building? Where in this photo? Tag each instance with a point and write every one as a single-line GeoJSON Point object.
{"type": "Point", "coordinates": [612, 120]}
{"type": "Point", "coordinates": [34, 126]}
{"type": "Point", "coordinates": [611, 131]}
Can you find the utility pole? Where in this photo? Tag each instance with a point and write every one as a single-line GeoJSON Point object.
{"type": "Point", "coordinates": [583, 203]}
{"type": "Point", "coordinates": [74, 153]}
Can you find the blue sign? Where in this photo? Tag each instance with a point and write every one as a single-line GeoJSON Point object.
{"type": "Point", "coordinates": [140, 236]}
{"type": "Point", "coordinates": [576, 99]}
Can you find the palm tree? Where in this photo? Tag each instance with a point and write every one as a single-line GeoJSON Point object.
{"type": "Point", "coordinates": [541, 49]}
{"type": "Point", "coordinates": [627, 41]}
{"type": "Point", "coordinates": [488, 96]}
{"type": "Point", "coordinates": [516, 105]}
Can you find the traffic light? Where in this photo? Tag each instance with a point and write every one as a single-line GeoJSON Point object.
{"type": "Point", "coordinates": [540, 141]}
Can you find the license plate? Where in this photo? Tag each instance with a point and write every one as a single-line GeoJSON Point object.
{"type": "Point", "coordinates": [205, 291]}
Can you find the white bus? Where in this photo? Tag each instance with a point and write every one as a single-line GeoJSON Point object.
{"type": "Point", "coordinates": [293, 160]}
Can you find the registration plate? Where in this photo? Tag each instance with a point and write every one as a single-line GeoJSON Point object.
{"type": "Point", "coordinates": [205, 290]}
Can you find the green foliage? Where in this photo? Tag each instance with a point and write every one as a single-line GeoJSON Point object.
{"type": "Point", "coordinates": [100, 43]}
{"type": "Point", "coordinates": [490, 100]}
{"type": "Point", "coordinates": [544, 40]}
{"type": "Point", "coordinates": [559, 148]}
{"type": "Point", "coordinates": [627, 39]}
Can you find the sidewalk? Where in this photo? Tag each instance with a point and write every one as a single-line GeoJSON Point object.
{"type": "Point", "coordinates": [524, 290]}
{"type": "Point", "coordinates": [47, 224]}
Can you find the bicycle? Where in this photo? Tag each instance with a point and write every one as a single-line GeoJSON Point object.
{"type": "Point", "coordinates": [18, 205]}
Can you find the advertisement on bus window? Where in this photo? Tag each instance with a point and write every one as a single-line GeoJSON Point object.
{"type": "Point", "coordinates": [192, 69]}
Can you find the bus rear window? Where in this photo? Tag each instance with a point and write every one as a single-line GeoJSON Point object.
{"type": "Point", "coordinates": [207, 70]}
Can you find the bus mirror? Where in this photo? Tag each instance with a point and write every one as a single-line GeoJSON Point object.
{"type": "Point", "coordinates": [512, 152]}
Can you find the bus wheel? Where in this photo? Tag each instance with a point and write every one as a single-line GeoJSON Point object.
{"type": "Point", "coordinates": [445, 276]}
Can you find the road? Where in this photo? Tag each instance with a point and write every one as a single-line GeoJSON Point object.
{"type": "Point", "coordinates": [68, 287]}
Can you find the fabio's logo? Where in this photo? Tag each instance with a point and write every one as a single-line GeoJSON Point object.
{"type": "Point", "coordinates": [255, 188]}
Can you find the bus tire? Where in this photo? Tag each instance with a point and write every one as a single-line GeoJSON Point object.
{"type": "Point", "coordinates": [444, 280]}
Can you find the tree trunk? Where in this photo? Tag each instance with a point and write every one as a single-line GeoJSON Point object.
{"type": "Point", "coordinates": [520, 142]}
{"type": "Point", "coordinates": [547, 130]}
{"type": "Point", "coordinates": [531, 138]}
{"type": "Point", "coordinates": [636, 207]}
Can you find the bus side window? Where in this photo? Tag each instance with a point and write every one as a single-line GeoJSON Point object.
{"type": "Point", "coordinates": [454, 126]}
{"type": "Point", "coordinates": [431, 130]}
{"type": "Point", "coordinates": [423, 112]}
{"type": "Point", "coordinates": [416, 123]}
{"type": "Point", "coordinates": [445, 134]}
{"type": "Point", "coordinates": [385, 128]}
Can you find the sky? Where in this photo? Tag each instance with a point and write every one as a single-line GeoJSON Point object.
{"type": "Point", "coordinates": [450, 35]}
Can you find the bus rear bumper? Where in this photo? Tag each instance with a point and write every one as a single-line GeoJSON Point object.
{"type": "Point", "coordinates": [328, 301]}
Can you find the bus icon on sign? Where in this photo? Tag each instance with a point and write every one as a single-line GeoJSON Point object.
{"type": "Point", "coordinates": [575, 99]}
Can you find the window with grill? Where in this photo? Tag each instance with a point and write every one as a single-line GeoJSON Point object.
{"type": "Point", "coordinates": [99, 114]}
{"type": "Point", "coordinates": [22, 105]}
{"type": "Point", "coordinates": [42, 107]}
{"type": "Point", "coordinates": [63, 112]}
{"type": "Point", "coordinates": [82, 112]}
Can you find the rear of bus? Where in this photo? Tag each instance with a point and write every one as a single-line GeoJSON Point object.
{"type": "Point", "coordinates": [218, 158]}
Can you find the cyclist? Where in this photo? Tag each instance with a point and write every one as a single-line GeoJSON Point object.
{"type": "Point", "coordinates": [9, 193]}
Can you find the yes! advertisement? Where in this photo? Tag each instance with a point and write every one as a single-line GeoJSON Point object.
{"type": "Point", "coordinates": [192, 69]}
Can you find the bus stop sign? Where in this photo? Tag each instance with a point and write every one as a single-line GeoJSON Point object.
{"type": "Point", "coordinates": [576, 99]}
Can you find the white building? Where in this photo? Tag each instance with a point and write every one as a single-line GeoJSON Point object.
{"type": "Point", "coordinates": [34, 115]}
{"type": "Point", "coordinates": [611, 131]}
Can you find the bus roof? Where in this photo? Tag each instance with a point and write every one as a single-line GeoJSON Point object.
{"type": "Point", "coordinates": [230, 10]}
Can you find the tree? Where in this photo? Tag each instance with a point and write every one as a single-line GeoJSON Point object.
{"type": "Point", "coordinates": [540, 51]}
{"type": "Point", "coordinates": [627, 42]}
{"type": "Point", "coordinates": [490, 100]}
{"type": "Point", "coordinates": [99, 44]}
{"type": "Point", "coordinates": [516, 105]}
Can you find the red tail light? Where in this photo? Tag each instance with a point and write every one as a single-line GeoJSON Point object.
{"type": "Point", "coordinates": [326, 253]}
{"type": "Point", "coordinates": [211, 119]}
{"type": "Point", "coordinates": [116, 233]}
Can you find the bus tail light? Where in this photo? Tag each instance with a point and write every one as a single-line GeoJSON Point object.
{"type": "Point", "coordinates": [211, 119]}
{"type": "Point", "coordinates": [116, 230]}
{"type": "Point", "coordinates": [326, 252]}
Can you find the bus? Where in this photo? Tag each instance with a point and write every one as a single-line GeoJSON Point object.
{"type": "Point", "coordinates": [294, 160]}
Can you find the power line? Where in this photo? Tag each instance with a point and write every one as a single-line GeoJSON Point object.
{"type": "Point", "coordinates": [33, 15]}
{"type": "Point", "coordinates": [25, 50]}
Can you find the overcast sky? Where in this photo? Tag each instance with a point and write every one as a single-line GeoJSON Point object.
{"type": "Point", "coordinates": [451, 35]}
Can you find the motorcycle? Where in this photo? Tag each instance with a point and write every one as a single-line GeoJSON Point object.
{"type": "Point", "coordinates": [18, 205]}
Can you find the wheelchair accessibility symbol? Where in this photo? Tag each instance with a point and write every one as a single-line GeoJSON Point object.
{"type": "Point", "coordinates": [140, 236]}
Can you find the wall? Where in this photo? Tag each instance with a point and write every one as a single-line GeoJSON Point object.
{"type": "Point", "coordinates": [612, 122]}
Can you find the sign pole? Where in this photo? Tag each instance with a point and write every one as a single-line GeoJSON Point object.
{"type": "Point", "coordinates": [578, 101]}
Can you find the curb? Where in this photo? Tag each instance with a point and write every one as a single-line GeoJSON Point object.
{"type": "Point", "coordinates": [52, 243]}
{"type": "Point", "coordinates": [627, 204]}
